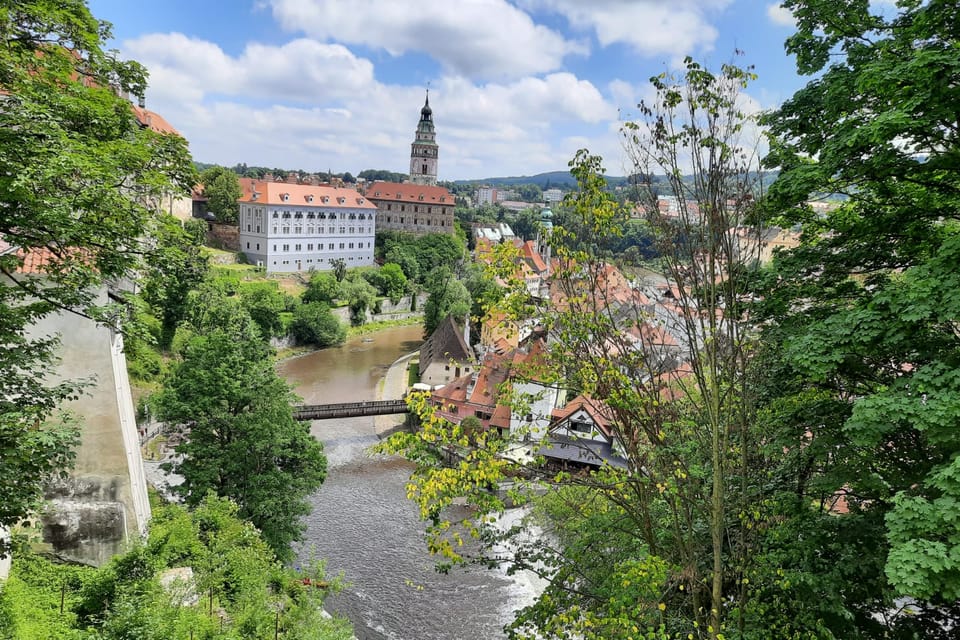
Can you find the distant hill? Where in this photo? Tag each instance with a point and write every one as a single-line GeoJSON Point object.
{"type": "Point", "coordinates": [565, 179]}
{"type": "Point", "coordinates": [542, 180]}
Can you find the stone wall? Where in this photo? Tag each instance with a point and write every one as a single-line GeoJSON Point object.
{"type": "Point", "coordinates": [223, 236]}
{"type": "Point", "coordinates": [103, 503]}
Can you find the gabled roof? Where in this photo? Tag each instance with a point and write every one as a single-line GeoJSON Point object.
{"type": "Point", "coordinates": [599, 412]}
{"type": "Point", "coordinates": [530, 253]}
{"type": "Point", "coordinates": [303, 195]}
{"type": "Point", "coordinates": [445, 344]}
{"type": "Point", "coordinates": [153, 120]}
{"type": "Point", "coordinates": [33, 261]}
{"type": "Point", "coordinates": [409, 192]}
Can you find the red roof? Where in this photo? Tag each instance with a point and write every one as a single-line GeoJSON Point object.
{"type": "Point", "coordinates": [598, 410]}
{"type": "Point", "coordinates": [536, 260]}
{"type": "Point", "coordinates": [409, 192]}
{"type": "Point", "coordinates": [304, 195]}
{"type": "Point", "coordinates": [153, 120]}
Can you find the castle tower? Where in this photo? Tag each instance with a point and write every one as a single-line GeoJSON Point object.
{"type": "Point", "coordinates": [424, 151]}
{"type": "Point", "coordinates": [543, 235]}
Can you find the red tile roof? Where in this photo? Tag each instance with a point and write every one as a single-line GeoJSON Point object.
{"type": "Point", "coordinates": [530, 253]}
{"type": "Point", "coordinates": [409, 192]}
{"type": "Point", "coordinates": [597, 409]}
{"type": "Point", "coordinates": [305, 195]}
{"type": "Point", "coordinates": [153, 120]}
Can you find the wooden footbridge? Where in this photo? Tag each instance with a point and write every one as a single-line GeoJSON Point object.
{"type": "Point", "coordinates": [349, 409]}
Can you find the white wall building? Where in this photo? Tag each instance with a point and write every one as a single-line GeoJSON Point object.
{"type": "Point", "coordinates": [297, 227]}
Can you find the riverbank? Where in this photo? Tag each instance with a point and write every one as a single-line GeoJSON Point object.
{"type": "Point", "coordinates": [393, 386]}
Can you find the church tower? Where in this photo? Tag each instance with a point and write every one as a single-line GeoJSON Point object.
{"type": "Point", "coordinates": [424, 151]}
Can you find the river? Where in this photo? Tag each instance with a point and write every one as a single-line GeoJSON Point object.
{"type": "Point", "coordinates": [364, 526]}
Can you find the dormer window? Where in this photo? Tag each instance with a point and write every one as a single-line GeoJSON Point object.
{"type": "Point", "coordinates": [443, 198]}
{"type": "Point", "coordinates": [421, 196]}
{"type": "Point", "coordinates": [326, 199]}
{"type": "Point", "coordinates": [359, 200]}
{"type": "Point", "coordinates": [310, 197]}
{"type": "Point", "coordinates": [341, 200]}
{"type": "Point", "coordinates": [377, 194]}
{"type": "Point", "coordinates": [285, 197]}
{"type": "Point", "coordinates": [256, 194]}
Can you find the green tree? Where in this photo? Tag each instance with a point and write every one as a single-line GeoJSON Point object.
{"type": "Point", "coordinates": [231, 589]}
{"type": "Point", "coordinates": [657, 546]}
{"type": "Point", "coordinates": [863, 311]}
{"type": "Point", "coordinates": [242, 440]}
{"type": "Point", "coordinates": [264, 302]}
{"type": "Point", "coordinates": [406, 260]}
{"type": "Point", "coordinates": [435, 250]}
{"type": "Point", "coordinates": [174, 268]}
{"type": "Point", "coordinates": [447, 297]}
{"type": "Point", "coordinates": [389, 281]}
{"type": "Point", "coordinates": [322, 287]}
{"type": "Point", "coordinates": [314, 324]}
{"type": "Point", "coordinates": [221, 188]}
{"type": "Point", "coordinates": [77, 176]}
{"type": "Point", "coordinates": [360, 296]}
{"type": "Point", "coordinates": [526, 224]}
{"type": "Point", "coordinates": [339, 268]}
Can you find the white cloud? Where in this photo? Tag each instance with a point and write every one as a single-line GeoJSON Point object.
{"type": "Point", "coordinates": [316, 106]}
{"type": "Point", "coordinates": [302, 69]}
{"type": "Point", "coordinates": [780, 15]}
{"type": "Point", "coordinates": [651, 27]}
{"type": "Point", "coordinates": [477, 39]}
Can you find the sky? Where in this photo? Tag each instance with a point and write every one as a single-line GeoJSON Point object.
{"type": "Point", "coordinates": [516, 86]}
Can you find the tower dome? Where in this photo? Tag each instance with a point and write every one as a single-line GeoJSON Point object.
{"type": "Point", "coordinates": [424, 152]}
{"type": "Point", "coordinates": [546, 218]}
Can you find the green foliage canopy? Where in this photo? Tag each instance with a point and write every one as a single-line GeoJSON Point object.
{"type": "Point", "coordinates": [79, 178]}
{"type": "Point", "coordinates": [242, 440]}
{"type": "Point", "coordinates": [865, 309]}
{"type": "Point", "coordinates": [221, 188]}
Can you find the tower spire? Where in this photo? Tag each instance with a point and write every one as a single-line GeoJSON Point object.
{"type": "Point", "coordinates": [424, 152]}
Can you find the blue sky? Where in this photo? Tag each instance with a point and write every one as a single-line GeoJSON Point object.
{"type": "Point", "coordinates": [516, 86]}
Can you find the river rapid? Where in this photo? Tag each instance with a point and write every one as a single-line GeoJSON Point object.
{"type": "Point", "coordinates": [364, 526]}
